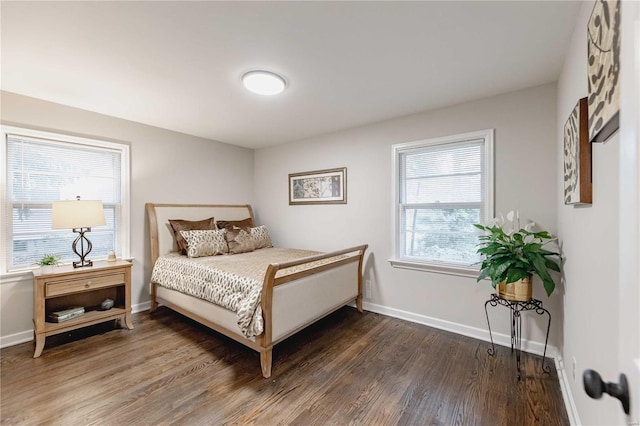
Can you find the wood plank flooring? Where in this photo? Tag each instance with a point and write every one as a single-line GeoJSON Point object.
{"type": "Point", "coordinates": [350, 368]}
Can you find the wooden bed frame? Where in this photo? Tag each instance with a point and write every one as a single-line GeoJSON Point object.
{"type": "Point", "coordinates": [289, 303]}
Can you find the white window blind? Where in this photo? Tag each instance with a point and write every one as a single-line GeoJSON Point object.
{"type": "Point", "coordinates": [443, 187]}
{"type": "Point", "coordinates": [40, 171]}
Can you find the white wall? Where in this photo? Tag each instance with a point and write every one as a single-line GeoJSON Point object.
{"type": "Point", "coordinates": [166, 166]}
{"type": "Point", "coordinates": [526, 179]}
{"type": "Point", "coordinates": [590, 236]}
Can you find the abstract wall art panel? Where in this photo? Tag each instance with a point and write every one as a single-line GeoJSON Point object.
{"type": "Point", "coordinates": [577, 156]}
{"type": "Point", "coordinates": [603, 33]}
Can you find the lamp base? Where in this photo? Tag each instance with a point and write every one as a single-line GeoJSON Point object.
{"type": "Point", "coordinates": [84, 251]}
{"type": "Point", "coordinates": [82, 263]}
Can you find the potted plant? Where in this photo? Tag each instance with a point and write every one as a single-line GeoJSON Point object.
{"type": "Point", "coordinates": [512, 254]}
{"type": "Point", "coordinates": [48, 261]}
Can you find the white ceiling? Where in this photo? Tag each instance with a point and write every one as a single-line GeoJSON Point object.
{"type": "Point", "coordinates": [177, 65]}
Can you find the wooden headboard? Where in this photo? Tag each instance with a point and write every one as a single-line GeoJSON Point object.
{"type": "Point", "coordinates": [160, 233]}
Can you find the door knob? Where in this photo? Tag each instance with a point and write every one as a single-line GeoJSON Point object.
{"type": "Point", "coordinates": [595, 387]}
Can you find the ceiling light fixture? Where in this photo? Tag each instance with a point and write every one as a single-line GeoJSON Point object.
{"type": "Point", "coordinates": [263, 82]}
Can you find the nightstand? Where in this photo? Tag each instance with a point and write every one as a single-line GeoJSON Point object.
{"type": "Point", "coordinates": [67, 287]}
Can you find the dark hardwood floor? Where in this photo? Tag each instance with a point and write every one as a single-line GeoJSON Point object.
{"type": "Point", "coordinates": [350, 368]}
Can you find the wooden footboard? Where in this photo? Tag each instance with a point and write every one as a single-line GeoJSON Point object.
{"type": "Point", "coordinates": [307, 277]}
{"type": "Point", "coordinates": [323, 285]}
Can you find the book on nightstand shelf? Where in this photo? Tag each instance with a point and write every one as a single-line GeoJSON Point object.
{"type": "Point", "coordinates": [67, 314]}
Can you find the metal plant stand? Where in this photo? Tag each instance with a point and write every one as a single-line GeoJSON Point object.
{"type": "Point", "coordinates": [516, 308]}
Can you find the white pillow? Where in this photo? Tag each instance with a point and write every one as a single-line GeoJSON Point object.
{"type": "Point", "coordinates": [205, 243]}
{"type": "Point", "coordinates": [261, 238]}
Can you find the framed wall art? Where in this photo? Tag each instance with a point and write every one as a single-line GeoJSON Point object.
{"type": "Point", "coordinates": [577, 156]}
{"type": "Point", "coordinates": [603, 34]}
{"type": "Point", "coordinates": [318, 187]}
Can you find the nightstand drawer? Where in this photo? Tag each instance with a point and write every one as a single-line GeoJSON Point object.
{"type": "Point", "coordinates": [83, 284]}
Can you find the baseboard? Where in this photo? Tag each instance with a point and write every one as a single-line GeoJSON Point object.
{"type": "Point", "coordinates": [567, 396]}
{"type": "Point", "coordinates": [529, 346]}
{"type": "Point", "coordinates": [144, 306]}
{"type": "Point", "coordinates": [16, 338]}
{"type": "Point", "coordinates": [27, 335]}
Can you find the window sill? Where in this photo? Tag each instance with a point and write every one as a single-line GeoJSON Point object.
{"type": "Point", "coordinates": [16, 276]}
{"type": "Point", "coordinates": [438, 268]}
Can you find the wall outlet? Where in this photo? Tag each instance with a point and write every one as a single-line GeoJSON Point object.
{"type": "Point", "coordinates": [574, 367]}
{"type": "Point", "coordinates": [367, 289]}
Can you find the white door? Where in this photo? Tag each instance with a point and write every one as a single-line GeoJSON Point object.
{"type": "Point", "coordinates": [628, 361]}
{"type": "Point", "coordinates": [629, 265]}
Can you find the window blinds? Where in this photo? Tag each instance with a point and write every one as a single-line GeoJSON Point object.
{"type": "Point", "coordinates": [441, 196]}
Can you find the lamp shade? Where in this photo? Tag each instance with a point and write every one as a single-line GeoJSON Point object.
{"type": "Point", "coordinates": [77, 214]}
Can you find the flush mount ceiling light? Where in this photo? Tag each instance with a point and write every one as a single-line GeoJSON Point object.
{"type": "Point", "coordinates": [263, 82]}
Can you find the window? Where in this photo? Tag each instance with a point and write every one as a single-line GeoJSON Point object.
{"type": "Point", "coordinates": [39, 168]}
{"type": "Point", "coordinates": [442, 187]}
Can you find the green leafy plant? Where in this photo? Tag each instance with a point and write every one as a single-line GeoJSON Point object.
{"type": "Point", "coordinates": [49, 260]}
{"type": "Point", "coordinates": [512, 253]}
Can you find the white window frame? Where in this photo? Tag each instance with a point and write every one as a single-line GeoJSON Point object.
{"type": "Point", "coordinates": [123, 233]}
{"type": "Point", "coordinates": [449, 268]}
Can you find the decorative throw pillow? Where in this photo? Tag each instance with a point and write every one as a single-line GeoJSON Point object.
{"type": "Point", "coordinates": [261, 237]}
{"type": "Point", "coordinates": [189, 225]}
{"type": "Point", "coordinates": [205, 243]}
{"type": "Point", "coordinates": [239, 240]}
{"type": "Point", "coordinates": [245, 224]}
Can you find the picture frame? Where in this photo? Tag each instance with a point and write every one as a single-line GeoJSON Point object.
{"type": "Point", "coordinates": [577, 156]}
{"type": "Point", "coordinates": [327, 186]}
{"type": "Point", "coordinates": [603, 69]}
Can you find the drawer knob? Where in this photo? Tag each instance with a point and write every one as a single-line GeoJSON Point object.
{"type": "Point", "coordinates": [88, 284]}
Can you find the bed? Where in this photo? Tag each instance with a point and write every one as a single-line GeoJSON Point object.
{"type": "Point", "coordinates": [292, 293]}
